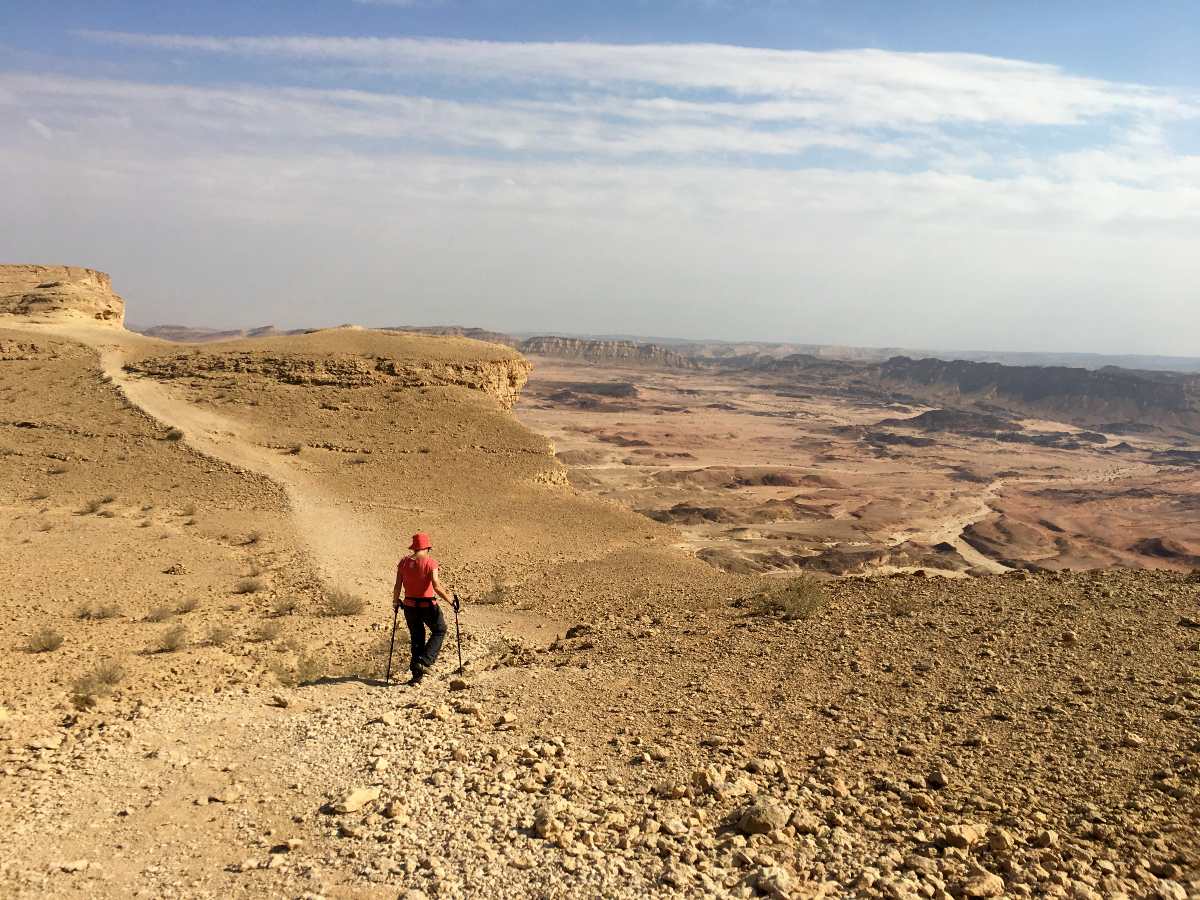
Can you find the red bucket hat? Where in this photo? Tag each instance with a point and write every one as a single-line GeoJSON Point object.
{"type": "Point", "coordinates": [420, 541]}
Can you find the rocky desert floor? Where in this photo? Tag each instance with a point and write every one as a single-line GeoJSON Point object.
{"type": "Point", "coordinates": [779, 475]}
{"type": "Point", "coordinates": [198, 547]}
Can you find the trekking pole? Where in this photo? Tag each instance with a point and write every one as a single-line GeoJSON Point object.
{"type": "Point", "coordinates": [458, 634]}
{"type": "Point", "coordinates": [387, 678]}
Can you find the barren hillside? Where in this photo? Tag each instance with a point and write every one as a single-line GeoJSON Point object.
{"type": "Point", "coordinates": [195, 524]}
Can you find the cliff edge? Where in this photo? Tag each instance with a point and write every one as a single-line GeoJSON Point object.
{"type": "Point", "coordinates": [59, 292]}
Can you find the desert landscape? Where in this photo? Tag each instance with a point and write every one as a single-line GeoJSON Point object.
{"type": "Point", "coordinates": [841, 468]}
{"type": "Point", "coordinates": [792, 630]}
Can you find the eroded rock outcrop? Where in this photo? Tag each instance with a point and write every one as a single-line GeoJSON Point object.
{"type": "Point", "coordinates": [607, 351]}
{"type": "Point", "coordinates": [501, 378]}
{"type": "Point", "coordinates": [68, 292]}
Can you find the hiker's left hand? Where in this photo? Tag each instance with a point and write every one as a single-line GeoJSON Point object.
{"type": "Point", "coordinates": [457, 603]}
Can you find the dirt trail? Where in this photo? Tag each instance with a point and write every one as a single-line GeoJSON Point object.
{"type": "Point", "coordinates": [350, 545]}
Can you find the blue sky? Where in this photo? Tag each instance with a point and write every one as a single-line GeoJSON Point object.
{"type": "Point", "coordinates": [1007, 175]}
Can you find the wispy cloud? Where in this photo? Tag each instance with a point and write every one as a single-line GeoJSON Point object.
{"type": "Point", "coordinates": [865, 87]}
{"type": "Point", "coordinates": [856, 174]}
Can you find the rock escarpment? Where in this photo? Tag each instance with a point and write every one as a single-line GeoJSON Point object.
{"type": "Point", "coordinates": [607, 351]}
{"type": "Point", "coordinates": [67, 292]}
{"type": "Point", "coordinates": [1080, 396]}
{"type": "Point", "coordinates": [502, 379]}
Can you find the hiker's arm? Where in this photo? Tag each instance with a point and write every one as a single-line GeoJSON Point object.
{"type": "Point", "coordinates": [398, 590]}
{"type": "Point", "coordinates": [438, 589]}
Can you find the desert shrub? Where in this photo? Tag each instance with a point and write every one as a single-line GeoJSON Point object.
{"type": "Point", "coordinates": [284, 606]}
{"type": "Point", "coordinates": [901, 605]}
{"type": "Point", "coordinates": [343, 603]}
{"type": "Point", "coordinates": [295, 449]}
{"type": "Point", "coordinates": [189, 510]}
{"type": "Point", "coordinates": [253, 538]}
{"type": "Point", "coordinates": [174, 434]}
{"type": "Point", "coordinates": [175, 638]}
{"type": "Point", "coordinates": [44, 640]}
{"type": "Point", "coordinates": [219, 635]}
{"type": "Point", "coordinates": [267, 632]}
{"type": "Point", "coordinates": [798, 598]}
{"type": "Point", "coordinates": [358, 461]}
{"type": "Point", "coordinates": [309, 667]}
{"type": "Point", "coordinates": [91, 508]}
{"type": "Point", "coordinates": [107, 514]}
{"type": "Point", "coordinates": [498, 592]}
{"type": "Point", "coordinates": [87, 689]}
{"type": "Point", "coordinates": [250, 586]}
{"type": "Point", "coordinates": [160, 614]}
{"type": "Point", "coordinates": [183, 607]}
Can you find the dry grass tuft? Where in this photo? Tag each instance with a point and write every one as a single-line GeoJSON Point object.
{"type": "Point", "coordinates": [343, 603]}
{"type": "Point", "coordinates": [798, 598]}
{"type": "Point", "coordinates": [309, 667]}
{"type": "Point", "coordinates": [160, 614]}
{"type": "Point", "coordinates": [175, 639]}
{"type": "Point", "coordinates": [174, 434]}
{"type": "Point", "coordinates": [183, 607]}
{"type": "Point", "coordinates": [250, 586]}
{"type": "Point", "coordinates": [267, 632]}
{"type": "Point", "coordinates": [284, 606]}
{"type": "Point", "coordinates": [88, 689]}
{"type": "Point", "coordinates": [44, 640]}
{"type": "Point", "coordinates": [295, 449]}
{"type": "Point", "coordinates": [254, 537]}
{"type": "Point", "coordinates": [498, 593]}
{"type": "Point", "coordinates": [220, 635]}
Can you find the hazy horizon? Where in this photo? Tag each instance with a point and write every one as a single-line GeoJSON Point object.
{"type": "Point", "coordinates": [868, 175]}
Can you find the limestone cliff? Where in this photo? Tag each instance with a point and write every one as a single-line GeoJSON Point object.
{"type": "Point", "coordinates": [502, 379]}
{"type": "Point", "coordinates": [607, 351]}
{"type": "Point", "coordinates": [64, 292]}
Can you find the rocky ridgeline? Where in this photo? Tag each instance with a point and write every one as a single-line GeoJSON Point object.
{"type": "Point", "coordinates": [607, 351]}
{"type": "Point", "coordinates": [1080, 396]}
{"type": "Point", "coordinates": [59, 292]}
{"type": "Point", "coordinates": [503, 379]}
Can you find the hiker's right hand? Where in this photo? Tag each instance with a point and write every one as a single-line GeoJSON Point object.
{"type": "Point", "coordinates": [395, 604]}
{"type": "Point", "coordinates": [457, 603]}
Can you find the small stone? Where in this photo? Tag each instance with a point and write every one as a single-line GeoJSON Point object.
{"type": "Point", "coordinates": [458, 684]}
{"type": "Point", "coordinates": [1132, 739]}
{"type": "Point", "coordinates": [1070, 638]}
{"type": "Point", "coordinates": [986, 884]}
{"type": "Point", "coordinates": [46, 742]}
{"type": "Point", "coordinates": [774, 881]}
{"type": "Point", "coordinates": [75, 865]}
{"type": "Point", "coordinates": [356, 800]}
{"type": "Point", "coordinates": [1000, 841]}
{"type": "Point", "coordinates": [763, 818]}
{"type": "Point", "coordinates": [963, 837]}
{"type": "Point", "coordinates": [1045, 839]}
{"type": "Point", "coordinates": [279, 700]}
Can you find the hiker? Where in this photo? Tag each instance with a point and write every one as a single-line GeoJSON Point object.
{"type": "Point", "coordinates": [417, 590]}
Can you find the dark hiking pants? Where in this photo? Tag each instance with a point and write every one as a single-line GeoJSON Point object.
{"type": "Point", "coordinates": [425, 649]}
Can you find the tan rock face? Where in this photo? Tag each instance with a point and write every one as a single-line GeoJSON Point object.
{"type": "Point", "coordinates": [60, 292]}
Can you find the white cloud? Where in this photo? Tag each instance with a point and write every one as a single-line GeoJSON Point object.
{"type": "Point", "coordinates": [858, 196]}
